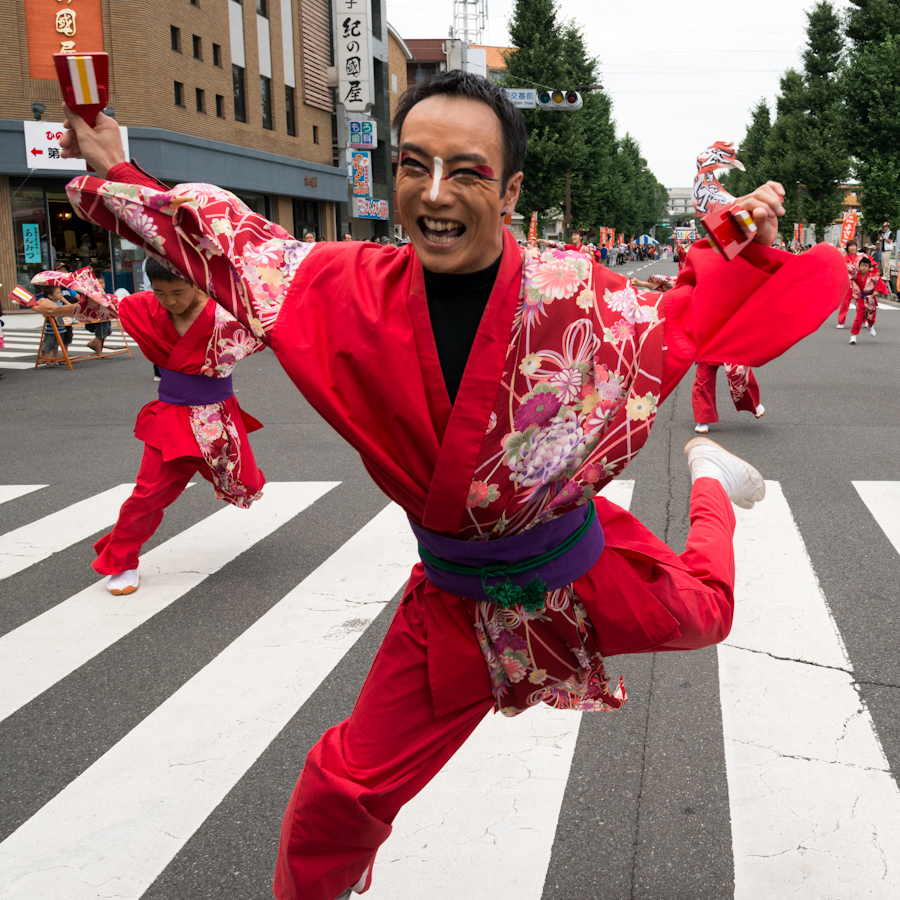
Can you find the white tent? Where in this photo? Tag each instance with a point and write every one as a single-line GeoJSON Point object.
{"type": "Point", "coordinates": [646, 239]}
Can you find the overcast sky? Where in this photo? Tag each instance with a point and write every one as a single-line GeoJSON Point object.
{"type": "Point", "coordinates": [681, 75]}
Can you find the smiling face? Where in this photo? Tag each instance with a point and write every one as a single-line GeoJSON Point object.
{"type": "Point", "coordinates": [454, 219]}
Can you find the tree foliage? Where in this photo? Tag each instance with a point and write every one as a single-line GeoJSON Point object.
{"type": "Point", "coordinates": [871, 87]}
{"type": "Point", "coordinates": [609, 181]}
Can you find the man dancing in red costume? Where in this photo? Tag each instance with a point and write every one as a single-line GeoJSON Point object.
{"type": "Point", "coordinates": [492, 392]}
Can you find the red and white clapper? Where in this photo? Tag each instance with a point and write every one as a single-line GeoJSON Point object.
{"type": "Point", "coordinates": [19, 295]}
{"type": "Point", "coordinates": [729, 230]}
{"type": "Point", "coordinates": [84, 78]}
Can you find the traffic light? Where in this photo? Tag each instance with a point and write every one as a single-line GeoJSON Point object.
{"type": "Point", "coordinates": [559, 101]}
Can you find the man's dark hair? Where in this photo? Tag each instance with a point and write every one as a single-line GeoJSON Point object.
{"type": "Point", "coordinates": [156, 271]}
{"type": "Point", "coordinates": [50, 289]}
{"type": "Point", "coordinates": [465, 84]}
{"type": "Point", "coordinates": [865, 260]}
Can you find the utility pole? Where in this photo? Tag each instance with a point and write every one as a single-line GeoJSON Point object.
{"type": "Point", "coordinates": [568, 206]}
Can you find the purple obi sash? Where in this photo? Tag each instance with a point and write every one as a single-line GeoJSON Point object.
{"type": "Point", "coordinates": [516, 570]}
{"type": "Point", "coordinates": [192, 390]}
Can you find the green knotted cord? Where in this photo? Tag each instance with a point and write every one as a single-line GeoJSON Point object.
{"type": "Point", "coordinates": [507, 593]}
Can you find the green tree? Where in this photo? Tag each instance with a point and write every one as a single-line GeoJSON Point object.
{"type": "Point", "coordinates": [752, 153]}
{"type": "Point", "coordinates": [871, 90]}
{"type": "Point", "coordinates": [608, 180]}
{"type": "Point", "coordinates": [822, 158]}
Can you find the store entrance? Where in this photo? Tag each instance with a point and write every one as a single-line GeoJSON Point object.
{"type": "Point", "coordinates": [77, 243]}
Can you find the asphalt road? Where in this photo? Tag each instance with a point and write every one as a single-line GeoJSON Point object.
{"type": "Point", "coordinates": [646, 811]}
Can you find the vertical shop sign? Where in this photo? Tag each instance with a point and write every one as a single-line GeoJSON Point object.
{"type": "Point", "coordinates": [31, 242]}
{"type": "Point", "coordinates": [61, 26]}
{"type": "Point", "coordinates": [359, 171]}
{"type": "Point", "coordinates": [353, 55]}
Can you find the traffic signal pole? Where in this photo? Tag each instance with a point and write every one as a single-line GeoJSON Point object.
{"type": "Point", "coordinates": [568, 205]}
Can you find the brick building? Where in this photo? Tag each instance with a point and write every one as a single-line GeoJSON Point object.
{"type": "Point", "coordinates": [220, 91]}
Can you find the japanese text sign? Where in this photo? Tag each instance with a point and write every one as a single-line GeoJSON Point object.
{"type": "Point", "coordinates": [362, 131]}
{"type": "Point", "coordinates": [522, 98]}
{"type": "Point", "coordinates": [60, 26]}
{"type": "Point", "coordinates": [848, 227]}
{"type": "Point", "coordinates": [42, 150]}
{"type": "Point", "coordinates": [367, 208]}
{"type": "Point", "coordinates": [31, 242]}
{"type": "Point", "coordinates": [353, 55]}
{"type": "Point", "coordinates": [359, 171]}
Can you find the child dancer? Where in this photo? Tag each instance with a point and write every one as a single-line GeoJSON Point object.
{"type": "Point", "coordinates": [852, 258]}
{"type": "Point", "coordinates": [863, 288]}
{"type": "Point", "coordinates": [196, 424]}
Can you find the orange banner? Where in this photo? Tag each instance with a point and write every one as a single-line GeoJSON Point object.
{"type": "Point", "coordinates": [798, 233]}
{"type": "Point", "coordinates": [55, 27]}
{"type": "Point", "coordinates": [848, 227]}
{"type": "Point", "coordinates": [532, 230]}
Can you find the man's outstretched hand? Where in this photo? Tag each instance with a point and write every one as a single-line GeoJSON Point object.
{"type": "Point", "coordinates": [765, 205]}
{"type": "Point", "coordinates": [100, 146]}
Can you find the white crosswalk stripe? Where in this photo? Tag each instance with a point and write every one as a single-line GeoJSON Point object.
{"type": "Point", "coordinates": [808, 781]}
{"type": "Point", "coordinates": [22, 344]}
{"type": "Point", "coordinates": [14, 491]}
{"type": "Point", "coordinates": [807, 776]}
{"type": "Point", "coordinates": [36, 655]}
{"type": "Point", "coordinates": [32, 543]}
{"type": "Point", "coordinates": [151, 791]}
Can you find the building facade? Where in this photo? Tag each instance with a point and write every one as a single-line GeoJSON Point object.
{"type": "Point", "coordinates": [219, 91]}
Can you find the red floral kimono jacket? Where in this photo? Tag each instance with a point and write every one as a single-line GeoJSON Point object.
{"type": "Point", "coordinates": [215, 342]}
{"type": "Point", "coordinates": [560, 391]}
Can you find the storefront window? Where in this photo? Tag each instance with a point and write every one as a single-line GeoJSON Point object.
{"type": "Point", "coordinates": [77, 243]}
{"type": "Point", "coordinates": [48, 233]}
{"type": "Point", "coordinates": [30, 230]}
{"type": "Point", "coordinates": [261, 204]}
{"type": "Point", "coordinates": [306, 218]}
{"type": "Point", "coordinates": [129, 260]}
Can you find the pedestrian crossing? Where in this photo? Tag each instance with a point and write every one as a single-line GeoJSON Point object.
{"type": "Point", "coordinates": [814, 806]}
{"type": "Point", "coordinates": [20, 345]}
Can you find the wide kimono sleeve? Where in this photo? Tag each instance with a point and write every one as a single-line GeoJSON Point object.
{"type": "Point", "coordinates": [202, 233]}
{"type": "Point", "coordinates": [92, 303]}
{"type": "Point", "coordinates": [749, 310]}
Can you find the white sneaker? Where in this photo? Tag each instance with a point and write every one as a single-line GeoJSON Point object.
{"type": "Point", "coordinates": [760, 411]}
{"type": "Point", "coordinates": [124, 583]}
{"type": "Point", "coordinates": [840, 326]}
{"type": "Point", "coordinates": [157, 378]}
{"type": "Point", "coordinates": [872, 331]}
{"type": "Point", "coordinates": [700, 428]}
{"type": "Point", "coordinates": [743, 484]}
{"type": "Point", "coordinates": [852, 338]}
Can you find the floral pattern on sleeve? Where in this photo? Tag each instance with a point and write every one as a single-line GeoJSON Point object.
{"type": "Point", "coordinates": [205, 235]}
{"type": "Point", "coordinates": [94, 304]}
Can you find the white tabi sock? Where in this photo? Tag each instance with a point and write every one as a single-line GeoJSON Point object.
{"type": "Point", "coordinates": [124, 583]}
{"type": "Point", "coordinates": [743, 484]}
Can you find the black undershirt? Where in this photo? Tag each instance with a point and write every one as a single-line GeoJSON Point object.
{"type": "Point", "coordinates": [456, 304]}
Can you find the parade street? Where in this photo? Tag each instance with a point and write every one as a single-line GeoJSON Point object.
{"type": "Point", "coordinates": [150, 742]}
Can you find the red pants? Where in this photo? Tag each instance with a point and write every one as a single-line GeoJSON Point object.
{"type": "Point", "coordinates": [844, 309]}
{"type": "Point", "coordinates": [158, 484]}
{"type": "Point", "coordinates": [362, 771]}
{"type": "Point", "coordinates": [863, 314]}
{"type": "Point", "coordinates": [704, 394]}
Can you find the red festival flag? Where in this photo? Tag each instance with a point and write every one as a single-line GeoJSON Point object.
{"type": "Point", "coordinates": [798, 233]}
{"type": "Point", "coordinates": [848, 227]}
{"type": "Point", "coordinates": [532, 229]}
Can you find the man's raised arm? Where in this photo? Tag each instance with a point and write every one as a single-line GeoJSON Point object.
{"type": "Point", "coordinates": [206, 235]}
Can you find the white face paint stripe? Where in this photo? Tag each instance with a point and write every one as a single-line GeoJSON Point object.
{"type": "Point", "coordinates": [436, 183]}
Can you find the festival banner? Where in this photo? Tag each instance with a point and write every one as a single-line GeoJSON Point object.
{"type": "Point", "coordinates": [52, 27]}
{"type": "Point", "coordinates": [848, 227]}
{"type": "Point", "coordinates": [532, 229]}
{"type": "Point", "coordinates": [798, 233]}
